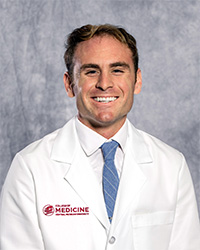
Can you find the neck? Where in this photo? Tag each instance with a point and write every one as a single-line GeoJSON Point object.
{"type": "Point", "coordinates": [105, 130]}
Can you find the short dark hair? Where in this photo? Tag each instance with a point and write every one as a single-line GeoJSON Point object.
{"type": "Point", "coordinates": [88, 31]}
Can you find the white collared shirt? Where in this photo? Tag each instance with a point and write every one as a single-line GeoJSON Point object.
{"type": "Point", "coordinates": [91, 142]}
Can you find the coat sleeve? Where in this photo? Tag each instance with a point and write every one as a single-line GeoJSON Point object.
{"type": "Point", "coordinates": [19, 227]}
{"type": "Point", "coordinates": [186, 229]}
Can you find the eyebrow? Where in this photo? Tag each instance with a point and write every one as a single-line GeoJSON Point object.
{"type": "Point", "coordinates": [120, 64]}
{"type": "Point", "coordinates": [96, 66]}
{"type": "Point", "coordinates": [89, 66]}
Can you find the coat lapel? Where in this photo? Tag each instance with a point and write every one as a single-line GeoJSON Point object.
{"type": "Point", "coordinates": [83, 180]}
{"type": "Point", "coordinates": [80, 175]}
{"type": "Point", "coordinates": [132, 178]}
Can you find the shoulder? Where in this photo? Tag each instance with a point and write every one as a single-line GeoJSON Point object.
{"type": "Point", "coordinates": [44, 146]}
{"type": "Point", "coordinates": [157, 148]}
{"type": "Point", "coordinates": [157, 143]}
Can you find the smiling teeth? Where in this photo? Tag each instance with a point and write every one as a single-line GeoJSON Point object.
{"type": "Point", "coordinates": [105, 99]}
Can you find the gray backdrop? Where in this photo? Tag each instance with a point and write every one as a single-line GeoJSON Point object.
{"type": "Point", "coordinates": [32, 95]}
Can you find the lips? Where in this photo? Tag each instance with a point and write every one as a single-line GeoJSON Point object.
{"type": "Point", "coordinates": [105, 99]}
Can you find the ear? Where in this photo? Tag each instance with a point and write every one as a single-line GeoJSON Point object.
{"type": "Point", "coordinates": [68, 84]}
{"type": "Point", "coordinates": [138, 84]}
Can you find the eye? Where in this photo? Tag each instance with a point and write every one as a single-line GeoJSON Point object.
{"type": "Point", "coordinates": [118, 71]}
{"type": "Point", "coordinates": [92, 72]}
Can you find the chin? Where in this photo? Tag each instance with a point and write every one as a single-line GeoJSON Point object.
{"type": "Point", "coordinates": [108, 120]}
{"type": "Point", "coordinates": [105, 118]}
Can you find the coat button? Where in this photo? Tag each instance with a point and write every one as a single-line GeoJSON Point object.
{"type": "Point", "coordinates": [112, 240]}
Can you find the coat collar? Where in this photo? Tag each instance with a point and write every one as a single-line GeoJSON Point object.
{"type": "Point", "coordinates": [138, 146]}
{"type": "Point", "coordinates": [66, 142]}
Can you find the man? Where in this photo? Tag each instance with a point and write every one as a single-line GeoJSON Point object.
{"type": "Point", "coordinates": [75, 190]}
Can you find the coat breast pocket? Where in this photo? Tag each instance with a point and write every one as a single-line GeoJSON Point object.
{"type": "Point", "coordinates": [152, 231]}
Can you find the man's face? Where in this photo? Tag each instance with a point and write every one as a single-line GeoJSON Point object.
{"type": "Point", "coordinates": [103, 82]}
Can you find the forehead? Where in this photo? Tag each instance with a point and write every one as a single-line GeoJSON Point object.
{"type": "Point", "coordinates": [101, 49]}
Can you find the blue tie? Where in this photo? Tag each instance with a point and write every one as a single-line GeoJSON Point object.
{"type": "Point", "coordinates": [110, 176]}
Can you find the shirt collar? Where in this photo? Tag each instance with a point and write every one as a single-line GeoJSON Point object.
{"type": "Point", "coordinates": [91, 141]}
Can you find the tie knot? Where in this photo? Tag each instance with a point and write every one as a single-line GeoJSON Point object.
{"type": "Point", "coordinates": [109, 150]}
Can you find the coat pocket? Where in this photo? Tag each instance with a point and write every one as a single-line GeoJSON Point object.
{"type": "Point", "coordinates": [152, 231]}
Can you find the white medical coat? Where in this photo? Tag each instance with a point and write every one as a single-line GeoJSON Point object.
{"type": "Point", "coordinates": [51, 198]}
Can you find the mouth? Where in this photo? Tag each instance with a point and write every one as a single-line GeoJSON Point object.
{"type": "Point", "coordinates": [105, 99]}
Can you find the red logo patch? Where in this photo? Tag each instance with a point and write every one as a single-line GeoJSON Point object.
{"type": "Point", "coordinates": [48, 210]}
{"type": "Point", "coordinates": [65, 210]}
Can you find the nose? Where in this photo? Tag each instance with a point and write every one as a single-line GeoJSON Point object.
{"type": "Point", "coordinates": [104, 81]}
